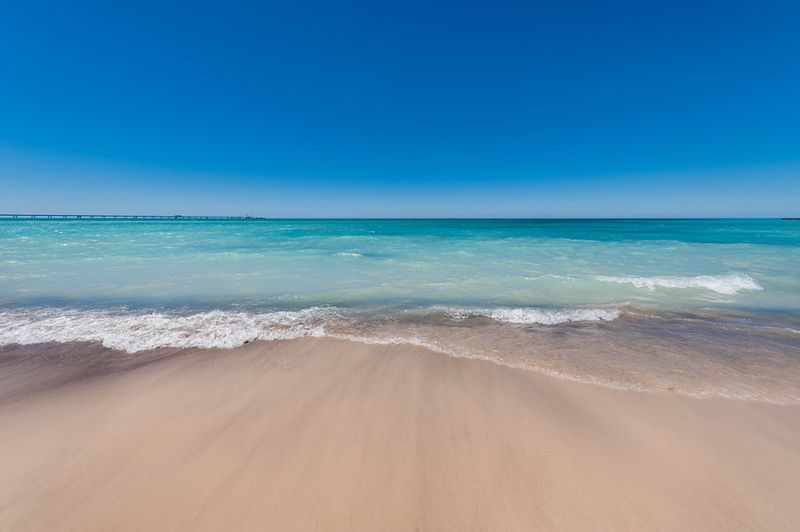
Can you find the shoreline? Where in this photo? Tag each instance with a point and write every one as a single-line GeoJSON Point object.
{"type": "Point", "coordinates": [335, 435]}
{"type": "Point", "coordinates": [645, 353]}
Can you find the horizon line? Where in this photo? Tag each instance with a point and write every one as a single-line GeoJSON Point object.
{"type": "Point", "coordinates": [215, 217]}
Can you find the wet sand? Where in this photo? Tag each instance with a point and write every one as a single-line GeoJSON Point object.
{"type": "Point", "coordinates": [322, 434]}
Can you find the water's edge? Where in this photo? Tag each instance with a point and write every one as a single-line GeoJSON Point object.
{"type": "Point", "coordinates": [700, 354]}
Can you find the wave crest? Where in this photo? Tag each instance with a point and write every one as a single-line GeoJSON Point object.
{"type": "Point", "coordinates": [133, 332]}
{"type": "Point", "coordinates": [540, 316]}
{"type": "Point", "coordinates": [141, 332]}
{"type": "Point", "coordinates": [722, 284]}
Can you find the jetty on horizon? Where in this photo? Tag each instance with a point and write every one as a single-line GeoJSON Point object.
{"type": "Point", "coordinates": [26, 216]}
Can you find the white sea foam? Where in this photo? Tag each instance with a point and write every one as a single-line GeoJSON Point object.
{"type": "Point", "coordinates": [722, 284]}
{"type": "Point", "coordinates": [541, 316]}
{"type": "Point", "coordinates": [134, 332]}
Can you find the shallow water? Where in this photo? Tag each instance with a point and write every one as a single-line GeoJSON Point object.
{"type": "Point", "coordinates": [703, 307]}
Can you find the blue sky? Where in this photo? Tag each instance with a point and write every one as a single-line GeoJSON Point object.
{"type": "Point", "coordinates": [401, 108]}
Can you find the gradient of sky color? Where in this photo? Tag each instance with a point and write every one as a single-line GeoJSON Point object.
{"type": "Point", "coordinates": [312, 108]}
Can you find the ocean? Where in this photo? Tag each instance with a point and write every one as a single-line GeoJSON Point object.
{"type": "Point", "coordinates": [698, 307]}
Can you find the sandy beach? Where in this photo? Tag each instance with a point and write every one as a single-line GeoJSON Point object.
{"type": "Point", "coordinates": [323, 434]}
{"type": "Point", "coordinates": [399, 266]}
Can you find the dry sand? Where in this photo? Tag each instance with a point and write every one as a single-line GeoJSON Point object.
{"type": "Point", "coordinates": [320, 434]}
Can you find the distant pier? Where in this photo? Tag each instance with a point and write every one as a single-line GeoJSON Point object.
{"type": "Point", "coordinates": [133, 217]}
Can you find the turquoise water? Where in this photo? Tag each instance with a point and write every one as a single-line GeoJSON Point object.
{"type": "Point", "coordinates": [290, 264]}
{"type": "Point", "coordinates": [512, 284]}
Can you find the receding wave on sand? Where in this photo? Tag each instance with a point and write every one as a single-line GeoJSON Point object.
{"type": "Point", "coordinates": [618, 347]}
{"type": "Point", "coordinates": [140, 331]}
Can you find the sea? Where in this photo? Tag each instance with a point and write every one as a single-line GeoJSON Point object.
{"type": "Point", "coordinates": [708, 307]}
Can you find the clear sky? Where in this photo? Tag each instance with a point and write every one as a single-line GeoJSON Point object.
{"type": "Point", "coordinates": [310, 108]}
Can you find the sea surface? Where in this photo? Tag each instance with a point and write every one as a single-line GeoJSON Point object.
{"type": "Point", "coordinates": [697, 307]}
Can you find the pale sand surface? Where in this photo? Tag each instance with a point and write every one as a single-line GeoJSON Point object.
{"type": "Point", "coordinates": [320, 434]}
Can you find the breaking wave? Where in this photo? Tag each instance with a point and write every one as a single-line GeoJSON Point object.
{"type": "Point", "coordinates": [540, 316]}
{"type": "Point", "coordinates": [629, 354]}
{"type": "Point", "coordinates": [722, 284]}
{"type": "Point", "coordinates": [134, 332]}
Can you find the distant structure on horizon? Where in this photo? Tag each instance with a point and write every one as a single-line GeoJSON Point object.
{"type": "Point", "coordinates": [21, 216]}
